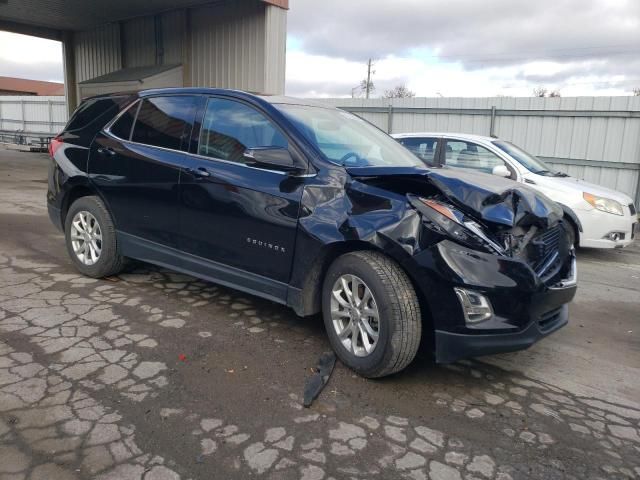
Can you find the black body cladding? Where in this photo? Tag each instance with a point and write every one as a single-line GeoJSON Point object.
{"type": "Point", "coordinates": [274, 231]}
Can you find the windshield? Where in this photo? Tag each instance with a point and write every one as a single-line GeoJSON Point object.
{"type": "Point", "coordinates": [348, 140]}
{"type": "Point", "coordinates": [528, 161]}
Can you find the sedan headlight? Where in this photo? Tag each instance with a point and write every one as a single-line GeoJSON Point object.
{"type": "Point", "coordinates": [455, 224]}
{"type": "Point", "coordinates": [603, 204]}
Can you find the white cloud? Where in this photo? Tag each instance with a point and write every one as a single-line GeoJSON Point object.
{"type": "Point", "coordinates": [322, 76]}
{"type": "Point", "coordinates": [30, 57]}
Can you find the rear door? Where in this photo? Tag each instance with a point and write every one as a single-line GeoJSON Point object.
{"type": "Point", "coordinates": [237, 215]}
{"type": "Point", "coordinates": [426, 149]}
{"type": "Point", "coordinates": [136, 165]}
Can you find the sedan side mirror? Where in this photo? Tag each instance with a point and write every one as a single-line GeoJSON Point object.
{"type": "Point", "coordinates": [271, 157]}
{"type": "Point", "coordinates": [501, 171]}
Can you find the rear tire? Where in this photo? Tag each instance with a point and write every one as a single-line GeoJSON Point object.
{"type": "Point", "coordinates": [381, 286]}
{"type": "Point", "coordinates": [90, 236]}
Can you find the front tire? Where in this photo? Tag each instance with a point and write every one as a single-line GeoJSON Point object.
{"type": "Point", "coordinates": [371, 313]}
{"type": "Point", "coordinates": [90, 236]}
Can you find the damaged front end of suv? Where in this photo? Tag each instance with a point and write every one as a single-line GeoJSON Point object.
{"type": "Point", "coordinates": [490, 258]}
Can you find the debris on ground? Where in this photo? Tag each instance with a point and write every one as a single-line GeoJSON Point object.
{"type": "Point", "coordinates": [316, 382]}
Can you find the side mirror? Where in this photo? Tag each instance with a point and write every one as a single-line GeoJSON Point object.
{"type": "Point", "coordinates": [501, 171]}
{"type": "Point", "coordinates": [271, 157]}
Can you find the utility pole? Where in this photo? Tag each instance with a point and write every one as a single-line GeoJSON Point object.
{"type": "Point", "coordinates": [369, 65]}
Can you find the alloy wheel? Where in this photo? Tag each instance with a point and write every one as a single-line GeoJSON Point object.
{"type": "Point", "coordinates": [86, 237]}
{"type": "Point", "coordinates": [355, 315]}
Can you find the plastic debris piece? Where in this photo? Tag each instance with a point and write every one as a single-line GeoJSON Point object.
{"type": "Point", "coordinates": [316, 382]}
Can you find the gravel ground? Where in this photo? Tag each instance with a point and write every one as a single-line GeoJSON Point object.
{"type": "Point", "coordinates": [156, 375]}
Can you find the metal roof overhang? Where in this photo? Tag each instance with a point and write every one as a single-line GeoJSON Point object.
{"type": "Point", "coordinates": [48, 18]}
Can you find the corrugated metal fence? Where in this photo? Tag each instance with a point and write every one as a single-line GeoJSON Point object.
{"type": "Point", "coordinates": [28, 119]}
{"type": "Point", "coordinates": [593, 138]}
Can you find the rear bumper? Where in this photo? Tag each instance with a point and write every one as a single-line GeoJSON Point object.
{"type": "Point", "coordinates": [455, 346]}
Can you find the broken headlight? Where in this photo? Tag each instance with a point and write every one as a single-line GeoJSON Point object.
{"type": "Point", "coordinates": [457, 225]}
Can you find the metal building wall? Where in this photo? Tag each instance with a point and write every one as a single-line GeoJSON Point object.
{"type": "Point", "coordinates": [275, 49]}
{"type": "Point", "coordinates": [593, 138]}
{"type": "Point", "coordinates": [173, 33]}
{"type": "Point", "coordinates": [97, 51]}
{"type": "Point", "coordinates": [139, 42]}
{"type": "Point", "coordinates": [228, 44]}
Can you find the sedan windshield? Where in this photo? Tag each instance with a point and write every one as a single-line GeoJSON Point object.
{"type": "Point", "coordinates": [528, 161]}
{"type": "Point", "coordinates": [348, 140]}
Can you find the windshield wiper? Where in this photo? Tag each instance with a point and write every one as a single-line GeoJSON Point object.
{"type": "Point", "coordinates": [544, 173]}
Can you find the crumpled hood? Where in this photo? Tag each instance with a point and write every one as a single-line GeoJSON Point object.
{"type": "Point", "coordinates": [487, 197]}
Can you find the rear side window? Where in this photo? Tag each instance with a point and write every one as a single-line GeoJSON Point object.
{"type": "Point", "coordinates": [230, 127]}
{"type": "Point", "coordinates": [165, 122]}
{"type": "Point", "coordinates": [423, 148]}
{"type": "Point", "coordinates": [95, 113]}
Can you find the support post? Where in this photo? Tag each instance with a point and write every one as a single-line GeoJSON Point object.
{"type": "Point", "coordinates": [186, 50]}
{"type": "Point", "coordinates": [492, 127]}
{"type": "Point", "coordinates": [637, 199]}
{"type": "Point", "coordinates": [50, 115]}
{"type": "Point", "coordinates": [69, 62]}
{"type": "Point", "coordinates": [390, 119]}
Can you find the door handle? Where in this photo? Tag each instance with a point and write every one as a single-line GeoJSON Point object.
{"type": "Point", "coordinates": [199, 172]}
{"type": "Point", "coordinates": [106, 151]}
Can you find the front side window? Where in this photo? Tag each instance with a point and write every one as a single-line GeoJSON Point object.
{"type": "Point", "coordinates": [346, 139]}
{"type": "Point", "coordinates": [462, 154]}
{"type": "Point", "coordinates": [423, 148]}
{"type": "Point", "coordinates": [165, 122]}
{"type": "Point", "coordinates": [528, 161]}
{"type": "Point", "coordinates": [229, 128]}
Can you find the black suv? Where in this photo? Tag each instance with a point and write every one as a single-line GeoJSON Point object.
{"type": "Point", "coordinates": [314, 208]}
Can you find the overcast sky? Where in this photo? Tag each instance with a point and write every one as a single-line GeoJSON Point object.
{"type": "Point", "coordinates": [452, 48]}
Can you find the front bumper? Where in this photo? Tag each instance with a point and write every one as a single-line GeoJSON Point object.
{"type": "Point", "coordinates": [597, 225]}
{"type": "Point", "coordinates": [525, 308]}
{"type": "Point", "coordinates": [455, 346]}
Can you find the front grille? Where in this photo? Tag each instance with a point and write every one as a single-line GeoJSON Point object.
{"type": "Point", "coordinates": [547, 320]}
{"type": "Point", "coordinates": [544, 249]}
{"type": "Point", "coordinates": [632, 209]}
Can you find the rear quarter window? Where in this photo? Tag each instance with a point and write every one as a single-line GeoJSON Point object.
{"type": "Point", "coordinates": [95, 113]}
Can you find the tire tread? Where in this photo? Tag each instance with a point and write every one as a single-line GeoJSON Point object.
{"type": "Point", "coordinates": [405, 311]}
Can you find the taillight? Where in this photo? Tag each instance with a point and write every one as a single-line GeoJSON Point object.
{"type": "Point", "coordinates": [54, 145]}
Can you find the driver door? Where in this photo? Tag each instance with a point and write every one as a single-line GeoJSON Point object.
{"type": "Point", "coordinates": [238, 220]}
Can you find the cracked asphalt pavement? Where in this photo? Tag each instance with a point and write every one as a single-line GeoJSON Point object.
{"type": "Point", "coordinates": [155, 375]}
